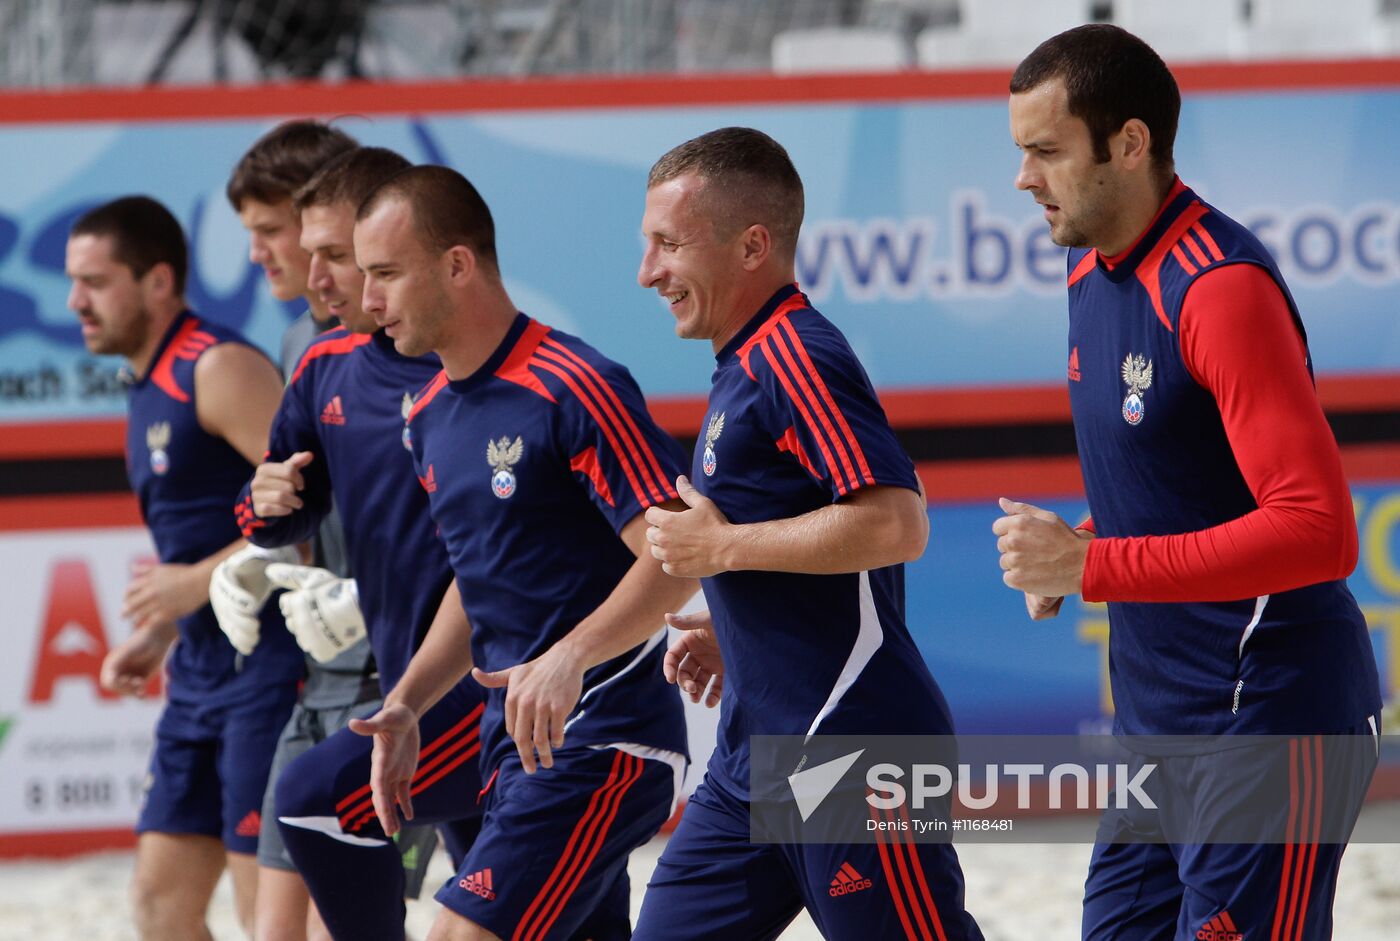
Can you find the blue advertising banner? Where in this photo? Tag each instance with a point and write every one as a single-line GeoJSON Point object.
{"type": "Point", "coordinates": [916, 242]}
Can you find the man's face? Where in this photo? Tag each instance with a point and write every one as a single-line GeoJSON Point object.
{"type": "Point", "coordinates": [273, 242]}
{"type": "Point", "coordinates": [686, 261]}
{"type": "Point", "coordinates": [327, 235]}
{"type": "Point", "coordinates": [405, 283]}
{"type": "Point", "coordinates": [110, 302]}
{"type": "Point", "coordinates": [1058, 167]}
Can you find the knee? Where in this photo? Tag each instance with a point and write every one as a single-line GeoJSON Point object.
{"type": "Point", "coordinates": [162, 910]}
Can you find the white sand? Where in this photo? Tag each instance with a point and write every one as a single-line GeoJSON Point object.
{"type": "Point", "coordinates": [1017, 892]}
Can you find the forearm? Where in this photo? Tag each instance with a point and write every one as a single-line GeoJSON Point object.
{"type": "Point", "coordinates": [444, 657]}
{"type": "Point", "coordinates": [1270, 550]}
{"type": "Point", "coordinates": [634, 611]}
{"type": "Point", "coordinates": [878, 527]}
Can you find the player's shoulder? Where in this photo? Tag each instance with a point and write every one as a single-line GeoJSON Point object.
{"type": "Point", "coordinates": [577, 372]}
{"type": "Point", "coordinates": [326, 350]}
{"type": "Point", "coordinates": [797, 340]}
{"type": "Point", "coordinates": [425, 397]}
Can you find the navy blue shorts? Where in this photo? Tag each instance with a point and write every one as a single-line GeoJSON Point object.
{"type": "Point", "coordinates": [712, 882]}
{"type": "Point", "coordinates": [551, 859]}
{"type": "Point", "coordinates": [1278, 887]}
{"type": "Point", "coordinates": [210, 766]}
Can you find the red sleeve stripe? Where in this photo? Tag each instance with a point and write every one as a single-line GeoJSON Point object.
{"type": "Point", "coordinates": [628, 421]}
{"type": "Point", "coordinates": [1210, 243]}
{"type": "Point", "coordinates": [426, 396]}
{"type": "Point", "coordinates": [1185, 262]}
{"type": "Point", "coordinates": [1196, 251]}
{"type": "Point", "coordinates": [801, 383]}
{"type": "Point", "coordinates": [801, 404]}
{"type": "Point", "coordinates": [836, 413]}
{"type": "Point", "coordinates": [643, 454]}
{"type": "Point", "coordinates": [1149, 271]}
{"type": "Point", "coordinates": [609, 433]}
{"type": "Point", "coordinates": [335, 346]}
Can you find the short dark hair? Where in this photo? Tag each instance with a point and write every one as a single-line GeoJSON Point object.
{"type": "Point", "coordinates": [447, 209]}
{"type": "Point", "coordinates": [1111, 77]}
{"type": "Point", "coordinates": [747, 173]}
{"type": "Point", "coordinates": [283, 160]}
{"type": "Point", "coordinates": [349, 177]}
{"type": "Point", "coordinates": [144, 234]}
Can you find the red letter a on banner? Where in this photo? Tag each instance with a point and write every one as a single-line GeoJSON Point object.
{"type": "Point", "coordinates": [74, 641]}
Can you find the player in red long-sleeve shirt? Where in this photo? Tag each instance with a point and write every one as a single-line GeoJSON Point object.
{"type": "Point", "coordinates": [1222, 526]}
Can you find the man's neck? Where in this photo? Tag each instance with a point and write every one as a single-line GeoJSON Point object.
{"type": "Point", "coordinates": [1140, 209]}
{"type": "Point", "coordinates": [476, 335]}
{"type": "Point", "coordinates": [140, 361]}
{"type": "Point", "coordinates": [747, 304]}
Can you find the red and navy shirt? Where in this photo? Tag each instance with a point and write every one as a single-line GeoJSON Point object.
{"type": "Point", "coordinates": [533, 465]}
{"type": "Point", "coordinates": [347, 402]}
{"type": "Point", "coordinates": [794, 425]}
{"type": "Point", "coordinates": [1215, 485]}
{"type": "Point", "coordinates": [185, 479]}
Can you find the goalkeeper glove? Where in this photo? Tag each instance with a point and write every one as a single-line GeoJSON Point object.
{"type": "Point", "coordinates": [238, 590]}
{"type": "Point", "coordinates": [321, 611]}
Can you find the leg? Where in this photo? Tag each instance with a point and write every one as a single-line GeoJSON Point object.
{"type": "Point", "coordinates": [174, 879]}
{"type": "Point", "coordinates": [449, 926]}
{"type": "Point", "coordinates": [711, 882]}
{"type": "Point", "coordinates": [178, 853]}
{"type": "Point", "coordinates": [1132, 893]}
{"type": "Point", "coordinates": [355, 874]}
{"type": "Point", "coordinates": [554, 844]}
{"type": "Point", "coordinates": [283, 906]}
{"type": "Point", "coordinates": [243, 872]}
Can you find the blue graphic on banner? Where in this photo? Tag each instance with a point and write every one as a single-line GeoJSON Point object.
{"type": "Point", "coordinates": [916, 242]}
{"type": "Point", "coordinates": [1003, 673]}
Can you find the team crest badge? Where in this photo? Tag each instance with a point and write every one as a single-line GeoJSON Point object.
{"type": "Point", "coordinates": [708, 461]}
{"type": "Point", "coordinates": [157, 440]}
{"type": "Point", "coordinates": [502, 455]}
{"type": "Point", "coordinates": [1137, 373]}
{"type": "Point", "coordinates": [407, 434]}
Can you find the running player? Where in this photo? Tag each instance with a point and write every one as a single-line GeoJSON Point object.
{"type": "Point", "coordinates": [539, 459]}
{"type": "Point", "coordinates": [340, 433]}
{"type": "Point", "coordinates": [200, 400]}
{"type": "Point", "coordinates": [260, 189]}
{"type": "Point", "coordinates": [1224, 524]}
{"type": "Point", "coordinates": [802, 511]}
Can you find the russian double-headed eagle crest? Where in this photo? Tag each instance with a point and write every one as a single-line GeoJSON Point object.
{"type": "Point", "coordinates": [405, 409]}
{"type": "Point", "coordinates": [502, 455]}
{"type": "Point", "coordinates": [1137, 373]}
{"type": "Point", "coordinates": [157, 440]}
{"type": "Point", "coordinates": [708, 461]}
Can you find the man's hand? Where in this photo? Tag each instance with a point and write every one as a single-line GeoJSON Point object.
{"type": "Point", "coordinates": [691, 543]}
{"type": "Point", "coordinates": [238, 590]}
{"type": "Point", "coordinates": [163, 593]}
{"type": "Point", "coordinates": [275, 485]}
{"type": "Point", "coordinates": [1041, 555]}
{"type": "Point", "coordinates": [393, 761]}
{"type": "Point", "coordinates": [693, 660]}
{"type": "Point", "coordinates": [129, 666]}
{"type": "Point", "coordinates": [321, 610]}
{"type": "Point", "coordinates": [539, 697]}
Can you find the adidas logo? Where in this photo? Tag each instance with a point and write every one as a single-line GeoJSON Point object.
{"type": "Point", "coordinates": [333, 414]}
{"type": "Point", "coordinates": [1219, 928]}
{"type": "Point", "coordinates": [479, 883]}
{"type": "Point", "coordinates": [1074, 364]}
{"type": "Point", "coordinates": [251, 825]}
{"type": "Point", "coordinates": [847, 881]}
{"type": "Point", "coordinates": [429, 482]}
{"type": "Point", "coordinates": [410, 858]}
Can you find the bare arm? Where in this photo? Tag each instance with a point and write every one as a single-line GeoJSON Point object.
{"type": "Point", "coordinates": [872, 528]}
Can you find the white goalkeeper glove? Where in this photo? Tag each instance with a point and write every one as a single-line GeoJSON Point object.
{"type": "Point", "coordinates": [321, 611]}
{"type": "Point", "coordinates": [238, 590]}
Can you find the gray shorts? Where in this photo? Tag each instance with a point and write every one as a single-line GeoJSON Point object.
{"type": "Point", "coordinates": [307, 727]}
